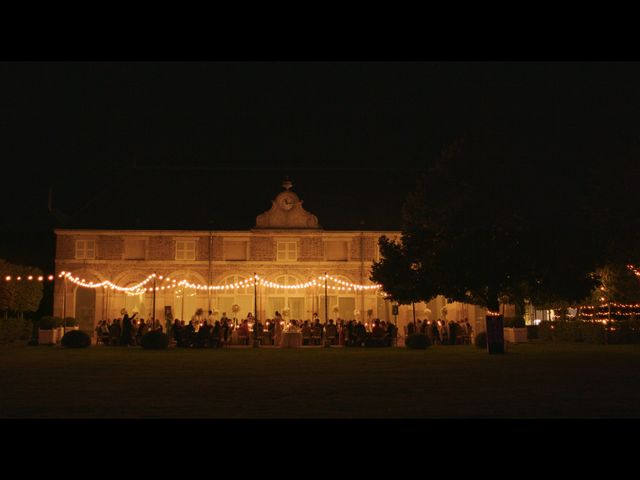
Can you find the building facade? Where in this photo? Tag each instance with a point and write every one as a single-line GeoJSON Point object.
{"type": "Point", "coordinates": [287, 249]}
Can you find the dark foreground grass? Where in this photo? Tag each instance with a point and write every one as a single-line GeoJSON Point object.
{"type": "Point", "coordinates": [531, 381]}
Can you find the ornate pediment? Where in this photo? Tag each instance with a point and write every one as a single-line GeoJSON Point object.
{"type": "Point", "coordinates": [287, 212]}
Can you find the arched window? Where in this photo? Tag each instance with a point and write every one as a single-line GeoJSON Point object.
{"type": "Point", "coordinates": [183, 301]}
{"type": "Point", "coordinates": [341, 301]}
{"type": "Point", "coordinates": [136, 302]}
{"type": "Point", "coordinates": [87, 302]}
{"type": "Point", "coordinates": [243, 297]}
{"type": "Point", "coordinates": [289, 301]}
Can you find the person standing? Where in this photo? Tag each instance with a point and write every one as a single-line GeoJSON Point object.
{"type": "Point", "coordinates": [126, 327]}
{"type": "Point", "coordinates": [278, 327]}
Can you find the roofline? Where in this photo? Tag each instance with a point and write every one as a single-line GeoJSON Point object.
{"type": "Point", "coordinates": [67, 231]}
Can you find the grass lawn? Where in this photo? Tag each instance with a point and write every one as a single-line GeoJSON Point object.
{"type": "Point", "coordinates": [531, 380]}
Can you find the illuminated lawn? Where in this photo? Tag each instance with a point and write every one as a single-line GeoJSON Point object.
{"type": "Point", "coordinates": [532, 380]}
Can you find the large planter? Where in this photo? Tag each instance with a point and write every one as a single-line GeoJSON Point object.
{"type": "Point", "coordinates": [62, 331]}
{"type": "Point", "coordinates": [515, 335]}
{"type": "Point", "coordinates": [59, 334]}
{"type": "Point", "coordinates": [47, 337]}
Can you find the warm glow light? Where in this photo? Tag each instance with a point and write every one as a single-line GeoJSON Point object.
{"type": "Point", "coordinates": [249, 282]}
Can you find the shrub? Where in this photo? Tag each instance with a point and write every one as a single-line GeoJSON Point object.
{"type": "Point", "coordinates": [572, 331]}
{"type": "Point", "coordinates": [154, 340]}
{"type": "Point", "coordinates": [623, 331]}
{"type": "Point", "coordinates": [481, 340]}
{"type": "Point", "coordinates": [70, 322]}
{"type": "Point", "coordinates": [47, 323]}
{"type": "Point", "coordinates": [76, 339]}
{"type": "Point", "coordinates": [592, 332]}
{"type": "Point", "coordinates": [15, 330]}
{"type": "Point", "coordinates": [417, 341]}
{"type": "Point", "coordinates": [514, 323]}
{"type": "Point", "coordinates": [532, 332]}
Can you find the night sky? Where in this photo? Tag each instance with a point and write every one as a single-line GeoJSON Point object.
{"type": "Point", "coordinates": [206, 145]}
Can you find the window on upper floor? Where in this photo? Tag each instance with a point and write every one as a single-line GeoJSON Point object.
{"type": "Point", "coordinates": [185, 249]}
{"type": "Point", "coordinates": [235, 250]}
{"type": "Point", "coordinates": [85, 249]}
{"type": "Point", "coordinates": [336, 250]}
{"type": "Point", "coordinates": [134, 248]}
{"type": "Point", "coordinates": [287, 251]}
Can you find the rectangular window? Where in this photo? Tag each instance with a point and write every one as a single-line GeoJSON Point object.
{"type": "Point", "coordinates": [134, 249]}
{"type": "Point", "coordinates": [287, 251]}
{"type": "Point", "coordinates": [235, 250]}
{"type": "Point", "coordinates": [85, 249]}
{"type": "Point", "coordinates": [185, 249]}
{"type": "Point", "coordinates": [336, 251]}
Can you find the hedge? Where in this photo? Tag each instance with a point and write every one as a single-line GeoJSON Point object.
{"type": "Point", "coordinates": [76, 339]}
{"type": "Point", "coordinates": [154, 340]}
{"type": "Point", "coordinates": [15, 330]}
{"type": "Point", "coordinates": [572, 331]}
{"type": "Point", "coordinates": [417, 341]}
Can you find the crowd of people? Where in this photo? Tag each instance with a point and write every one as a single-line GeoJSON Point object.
{"type": "Point", "coordinates": [125, 331]}
{"type": "Point", "coordinates": [249, 331]}
{"type": "Point", "coordinates": [442, 332]}
{"type": "Point", "coordinates": [208, 332]}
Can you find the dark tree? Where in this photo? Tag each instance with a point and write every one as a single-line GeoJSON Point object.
{"type": "Point", "coordinates": [619, 285]}
{"type": "Point", "coordinates": [399, 276]}
{"type": "Point", "coordinates": [488, 221]}
{"type": "Point", "coordinates": [19, 296]}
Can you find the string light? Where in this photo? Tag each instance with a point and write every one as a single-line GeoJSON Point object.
{"type": "Point", "coordinates": [30, 278]}
{"type": "Point", "coordinates": [249, 282]}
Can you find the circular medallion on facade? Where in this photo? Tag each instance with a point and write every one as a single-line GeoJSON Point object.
{"type": "Point", "coordinates": [286, 201]}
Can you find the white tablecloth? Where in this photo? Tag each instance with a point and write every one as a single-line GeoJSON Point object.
{"type": "Point", "coordinates": [291, 340]}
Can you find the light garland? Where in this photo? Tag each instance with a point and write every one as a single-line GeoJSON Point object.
{"type": "Point", "coordinates": [29, 278]}
{"type": "Point", "coordinates": [254, 280]}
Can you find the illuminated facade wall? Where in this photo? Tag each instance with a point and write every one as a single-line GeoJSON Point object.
{"type": "Point", "coordinates": [218, 258]}
{"type": "Point", "coordinates": [286, 247]}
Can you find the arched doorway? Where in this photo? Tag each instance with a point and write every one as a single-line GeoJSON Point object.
{"type": "Point", "coordinates": [281, 299]}
{"type": "Point", "coordinates": [86, 309]}
{"type": "Point", "coordinates": [227, 298]}
{"type": "Point", "coordinates": [182, 301]}
{"type": "Point", "coordinates": [341, 301]}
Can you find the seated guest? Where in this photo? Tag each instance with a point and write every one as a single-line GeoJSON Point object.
{"type": "Point", "coordinates": [203, 337]}
{"type": "Point", "coordinates": [331, 332]}
{"type": "Point", "coordinates": [360, 333]}
{"type": "Point", "coordinates": [306, 333]}
{"type": "Point", "coordinates": [378, 331]}
{"type": "Point", "coordinates": [216, 333]}
{"type": "Point", "coordinates": [243, 333]}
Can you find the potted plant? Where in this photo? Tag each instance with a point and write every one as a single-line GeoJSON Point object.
{"type": "Point", "coordinates": [47, 333]}
{"type": "Point", "coordinates": [515, 330]}
{"type": "Point", "coordinates": [71, 323]}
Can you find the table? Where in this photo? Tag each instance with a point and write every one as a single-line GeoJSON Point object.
{"type": "Point", "coordinates": [291, 340]}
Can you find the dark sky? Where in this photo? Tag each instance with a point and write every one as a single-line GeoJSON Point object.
{"type": "Point", "coordinates": [211, 142]}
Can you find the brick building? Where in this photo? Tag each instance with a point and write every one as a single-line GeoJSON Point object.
{"type": "Point", "coordinates": [287, 246]}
